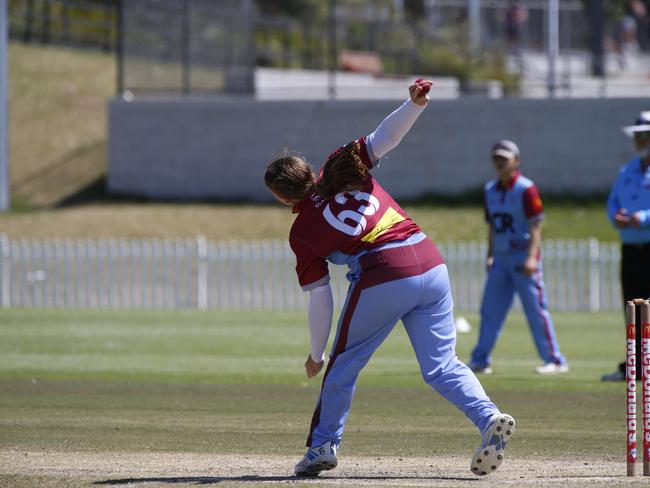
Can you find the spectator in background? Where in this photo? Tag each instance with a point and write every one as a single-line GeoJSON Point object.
{"type": "Point", "coordinates": [624, 41]}
{"type": "Point", "coordinates": [638, 12]}
{"type": "Point", "coordinates": [515, 18]}
{"type": "Point", "coordinates": [628, 209]}
{"type": "Point", "coordinates": [630, 34]}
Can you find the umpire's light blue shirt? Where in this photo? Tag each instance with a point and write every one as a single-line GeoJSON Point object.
{"type": "Point", "coordinates": [631, 191]}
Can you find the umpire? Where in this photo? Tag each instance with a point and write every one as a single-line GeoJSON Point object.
{"type": "Point", "coordinates": [628, 209]}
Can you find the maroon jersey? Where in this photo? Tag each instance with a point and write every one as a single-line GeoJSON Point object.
{"type": "Point", "coordinates": [349, 223]}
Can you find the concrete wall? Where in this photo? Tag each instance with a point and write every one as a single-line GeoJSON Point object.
{"type": "Point", "coordinates": [218, 148]}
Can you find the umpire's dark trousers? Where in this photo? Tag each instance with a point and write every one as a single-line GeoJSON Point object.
{"type": "Point", "coordinates": [635, 281]}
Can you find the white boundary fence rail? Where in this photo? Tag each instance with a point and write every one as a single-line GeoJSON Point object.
{"type": "Point", "coordinates": [257, 275]}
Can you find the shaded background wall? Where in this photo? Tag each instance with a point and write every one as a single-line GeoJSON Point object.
{"type": "Point", "coordinates": [217, 148]}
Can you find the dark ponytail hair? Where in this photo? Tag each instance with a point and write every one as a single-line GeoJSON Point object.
{"type": "Point", "coordinates": [343, 171]}
{"type": "Point", "coordinates": [290, 176]}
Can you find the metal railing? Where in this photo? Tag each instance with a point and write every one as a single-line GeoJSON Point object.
{"type": "Point", "coordinates": [257, 275]}
{"type": "Point", "coordinates": [207, 47]}
{"type": "Point", "coordinates": [81, 23]}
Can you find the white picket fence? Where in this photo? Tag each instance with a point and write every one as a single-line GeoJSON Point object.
{"type": "Point", "coordinates": [256, 275]}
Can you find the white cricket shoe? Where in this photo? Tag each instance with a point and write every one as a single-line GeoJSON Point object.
{"type": "Point", "coordinates": [317, 459]}
{"type": "Point", "coordinates": [552, 368]}
{"type": "Point", "coordinates": [489, 456]}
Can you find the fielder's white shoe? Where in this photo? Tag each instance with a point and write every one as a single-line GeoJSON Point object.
{"type": "Point", "coordinates": [489, 456]}
{"type": "Point", "coordinates": [317, 459]}
{"type": "Point", "coordinates": [552, 368]}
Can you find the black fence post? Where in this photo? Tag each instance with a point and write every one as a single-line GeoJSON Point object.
{"type": "Point", "coordinates": [29, 21]}
{"type": "Point", "coordinates": [324, 48]}
{"type": "Point", "coordinates": [596, 35]}
{"type": "Point", "coordinates": [185, 47]}
{"type": "Point", "coordinates": [333, 55]}
{"type": "Point", "coordinates": [105, 40]}
{"type": "Point", "coordinates": [416, 58]}
{"type": "Point", "coordinates": [370, 35]}
{"type": "Point", "coordinates": [119, 44]}
{"type": "Point", "coordinates": [304, 45]}
{"type": "Point", "coordinates": [312, 46]}
{"type": "Point", "coordinates": [45, 38]}
{"type": "Point", "coordinates": [286, 45]}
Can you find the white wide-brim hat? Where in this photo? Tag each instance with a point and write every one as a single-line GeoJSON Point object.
{"type": "Point", "coordinates": [642, 124]}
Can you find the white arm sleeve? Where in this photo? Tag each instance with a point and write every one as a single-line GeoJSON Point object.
{"type": "Point", "coordinates": [392, 129]}
{"type": "Point", "coordinates": [319, 314]}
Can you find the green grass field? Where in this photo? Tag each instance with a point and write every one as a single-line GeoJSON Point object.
{"type": "Point", "coordinates": [106, 384]}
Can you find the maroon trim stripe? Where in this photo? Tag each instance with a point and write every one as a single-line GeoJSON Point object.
{"type": "Point", "coordinates": [547, 332]}
{"type": "Point", "coordinates": [339, 347]}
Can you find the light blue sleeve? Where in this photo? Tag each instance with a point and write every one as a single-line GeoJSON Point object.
{"type": "Point", "coordinates": [613, 202]}
{"type": "Point", "coordinates": [645, 218]}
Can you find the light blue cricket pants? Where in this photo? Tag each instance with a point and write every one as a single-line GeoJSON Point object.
{"type": "Point", "coordinates": [504, 278]}
{"type": "Point", "coordinates": [424, 304]}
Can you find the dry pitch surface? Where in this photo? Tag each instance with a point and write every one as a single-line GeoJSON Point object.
{"type": "Point", "coordinates": [170, 469]}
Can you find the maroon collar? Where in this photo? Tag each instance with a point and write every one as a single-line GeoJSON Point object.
{"type": "Point", "coordinates": [298, 206]}
{"type": "Point", "coordinates": [510, 183]}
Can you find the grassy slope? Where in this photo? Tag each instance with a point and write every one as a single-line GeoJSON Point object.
{"type": "Point", "coordinates": [57, 120]}
{"type": "Point", "coordinates": [233, 383]}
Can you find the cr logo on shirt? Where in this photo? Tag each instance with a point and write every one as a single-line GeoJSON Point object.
{"type": "Point", "coordinates": [502, 222]}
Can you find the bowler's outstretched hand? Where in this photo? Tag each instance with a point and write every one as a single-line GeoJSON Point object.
{"type": "Point", "coordinates": [418, 91]}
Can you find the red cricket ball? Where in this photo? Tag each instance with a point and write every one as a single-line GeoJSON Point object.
{"type": "Point", "coordinates": [426, 85]}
